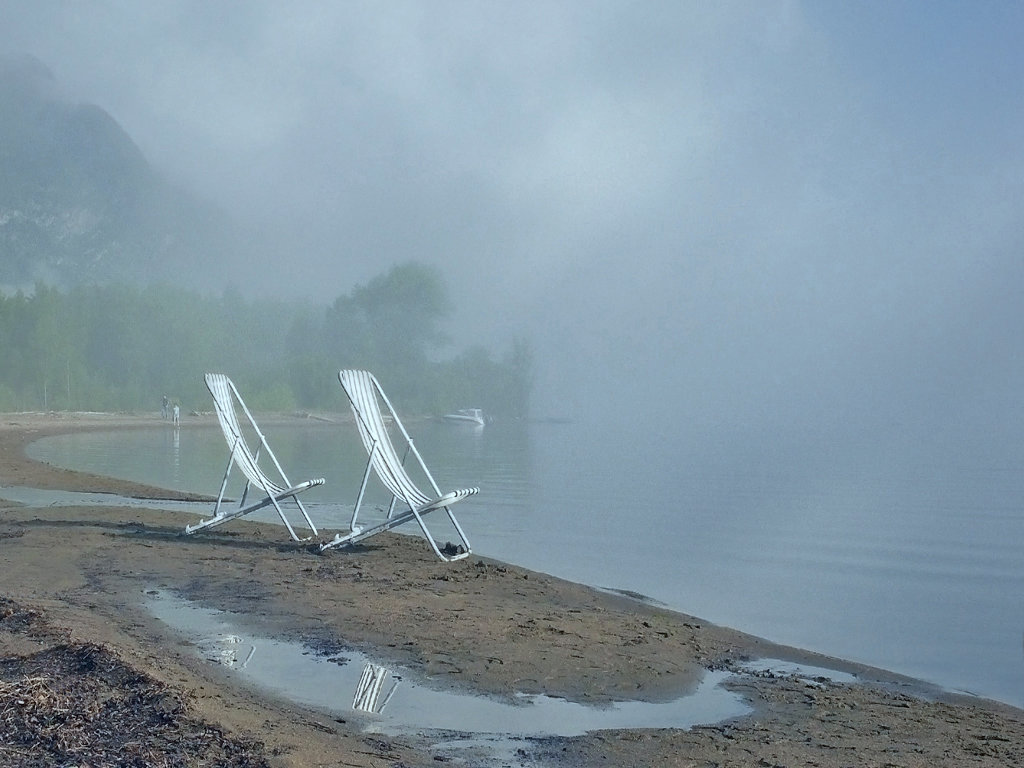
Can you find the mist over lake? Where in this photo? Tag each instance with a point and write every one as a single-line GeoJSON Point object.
{"type": "Point", "coordinates": [758, 263]}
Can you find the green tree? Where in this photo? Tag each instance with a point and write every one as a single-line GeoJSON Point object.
{"type": "Point", "coordinates": [118, 347]}
{"type": "Point", "coordinates": [391, 325]}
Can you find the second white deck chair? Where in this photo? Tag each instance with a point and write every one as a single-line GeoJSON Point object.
{"type": "Point", "coordinates": [274, 491]}
{"type": "Point", "coordinates": [366, 396]}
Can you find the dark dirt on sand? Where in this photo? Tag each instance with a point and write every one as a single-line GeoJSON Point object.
{"type": "Point", "coordinates": [89, 677]}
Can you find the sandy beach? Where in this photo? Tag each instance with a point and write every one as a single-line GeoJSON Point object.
{"type": "Point", "coordinates": [74, 579]}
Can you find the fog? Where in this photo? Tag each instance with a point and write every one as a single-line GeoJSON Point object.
{"type": "Point", "coordinates": [757, 214]}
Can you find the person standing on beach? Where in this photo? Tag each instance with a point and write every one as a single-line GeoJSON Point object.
{"type": "Point", "coordinates": [177, 415]}
{"type": "Point", "coordinates": [163, 408]}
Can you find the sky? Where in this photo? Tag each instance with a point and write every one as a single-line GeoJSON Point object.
{"type": "Point", "coordinates": [752, 211]}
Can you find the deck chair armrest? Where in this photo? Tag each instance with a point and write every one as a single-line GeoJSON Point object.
{"type": "Point", "coordinates": [448, 499]}
{"type": "Point", "coordinates": [295, 489]}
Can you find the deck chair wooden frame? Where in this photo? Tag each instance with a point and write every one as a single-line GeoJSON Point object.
{"type": "Point", "coordinates": [366, 396]}
{"type": "Point", "coordinates": [275, 492]}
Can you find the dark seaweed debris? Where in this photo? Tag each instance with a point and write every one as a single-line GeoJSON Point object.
{"type": "Point", "coordinates": [17, 619]}
{"type": "Point", "coordinates": [79, 704]}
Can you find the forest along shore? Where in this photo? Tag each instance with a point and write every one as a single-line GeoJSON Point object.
{"type": "Point", "coordinates": [87, 675]}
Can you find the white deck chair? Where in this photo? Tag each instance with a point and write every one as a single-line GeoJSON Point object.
{"type": "Point", "coordinates": [366, 396]}
{"type": "Point", "coordinates": [275, 492]}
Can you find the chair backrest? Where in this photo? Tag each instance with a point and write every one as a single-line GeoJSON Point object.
{"type": "Point", "coordinates": [365, 396]}
{"type": "Point", "coordinates": [224, 396]}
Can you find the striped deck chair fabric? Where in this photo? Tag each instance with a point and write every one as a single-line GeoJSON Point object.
{"type": "Point", "coordinates": [273, 492]}
{"type": "Point", "coordinates": [367, 398]}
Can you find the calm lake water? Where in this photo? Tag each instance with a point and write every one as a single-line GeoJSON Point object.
{"type": "Point", "coordinates": [909, 556]}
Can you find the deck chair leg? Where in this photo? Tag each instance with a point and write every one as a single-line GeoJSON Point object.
{"type": "Point", "coordinates": [458, 528]}
{"type": "Point", "coordinates": [248, 483]}
{"type": "Point", "coordinates": [305, 516]}
{"type": "Point", "coordinates": [280, 512]}
{"type": "Point", "coordinates": [245, 494]}
{"type": "Point", "coordinates": [430, 539]}
{"type": "Point", "coordinates": [391, 507]}
{"type": "Point", "coordinates": [354, 530]}
{"type": "Point", "coordinates": [217, 514]}
{"type": "Point", "coordinates": [224, 484]}
{"type": "Point", "coordinates": [359, 534]}
{"type": "Point", "coordinates": [288, 525]}
{"type": "Point", "coordinates": [396, 521]}
{"type": "Point", "coordinates": [433, 544]}
{"type": "Point", "coordinates": [359, 499]}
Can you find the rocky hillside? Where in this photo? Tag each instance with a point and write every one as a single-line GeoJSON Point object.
{"type": "Point", "coordinates": [80, 203]}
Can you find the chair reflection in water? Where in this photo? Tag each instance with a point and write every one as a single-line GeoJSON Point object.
{"type": "Point", "coordinates": [223, 649]}
{"type": "Point", "coordinates": [368, 690]}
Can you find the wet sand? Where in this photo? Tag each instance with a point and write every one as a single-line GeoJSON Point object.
{"type": "Point", "coordinates": [475, 625]}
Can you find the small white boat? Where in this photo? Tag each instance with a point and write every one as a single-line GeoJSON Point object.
{"type": "Point", "coordinates": [471, 416]}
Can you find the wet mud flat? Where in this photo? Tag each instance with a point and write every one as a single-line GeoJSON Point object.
{"type": "Point", "coordinates": [478, 626]}
{"type": "Point", "coordinates": [74, 581]}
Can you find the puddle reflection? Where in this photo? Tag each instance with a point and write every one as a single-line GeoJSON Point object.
{"type": "Point", "coordinates": [370, 685]}
{"type": "Point", "coordinates": [808, 674]}
{"type": "Point", "coordinates": [224, 649]}
{"type": "Point", "coordinates": [359, 688]}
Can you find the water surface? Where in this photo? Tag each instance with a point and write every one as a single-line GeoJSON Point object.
{"type": "Point", "coordinates": [904, 555]}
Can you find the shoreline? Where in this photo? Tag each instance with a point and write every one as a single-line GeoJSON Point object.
{"type": "Point", "coordinates": [477, 624]}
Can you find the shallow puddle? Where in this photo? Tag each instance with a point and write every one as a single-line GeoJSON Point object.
{"type": "Point", "coordinates": [36, 497]}
{"type": "Point", "coordinates": [810, 675]}
{"type": "Point", "coordinates": [328, 516]}
{"type": "Point", "coordinates": [392, 700]}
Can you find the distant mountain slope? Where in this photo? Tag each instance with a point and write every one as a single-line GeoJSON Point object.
{"type": "Point", "coordinates": [80, 203]}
